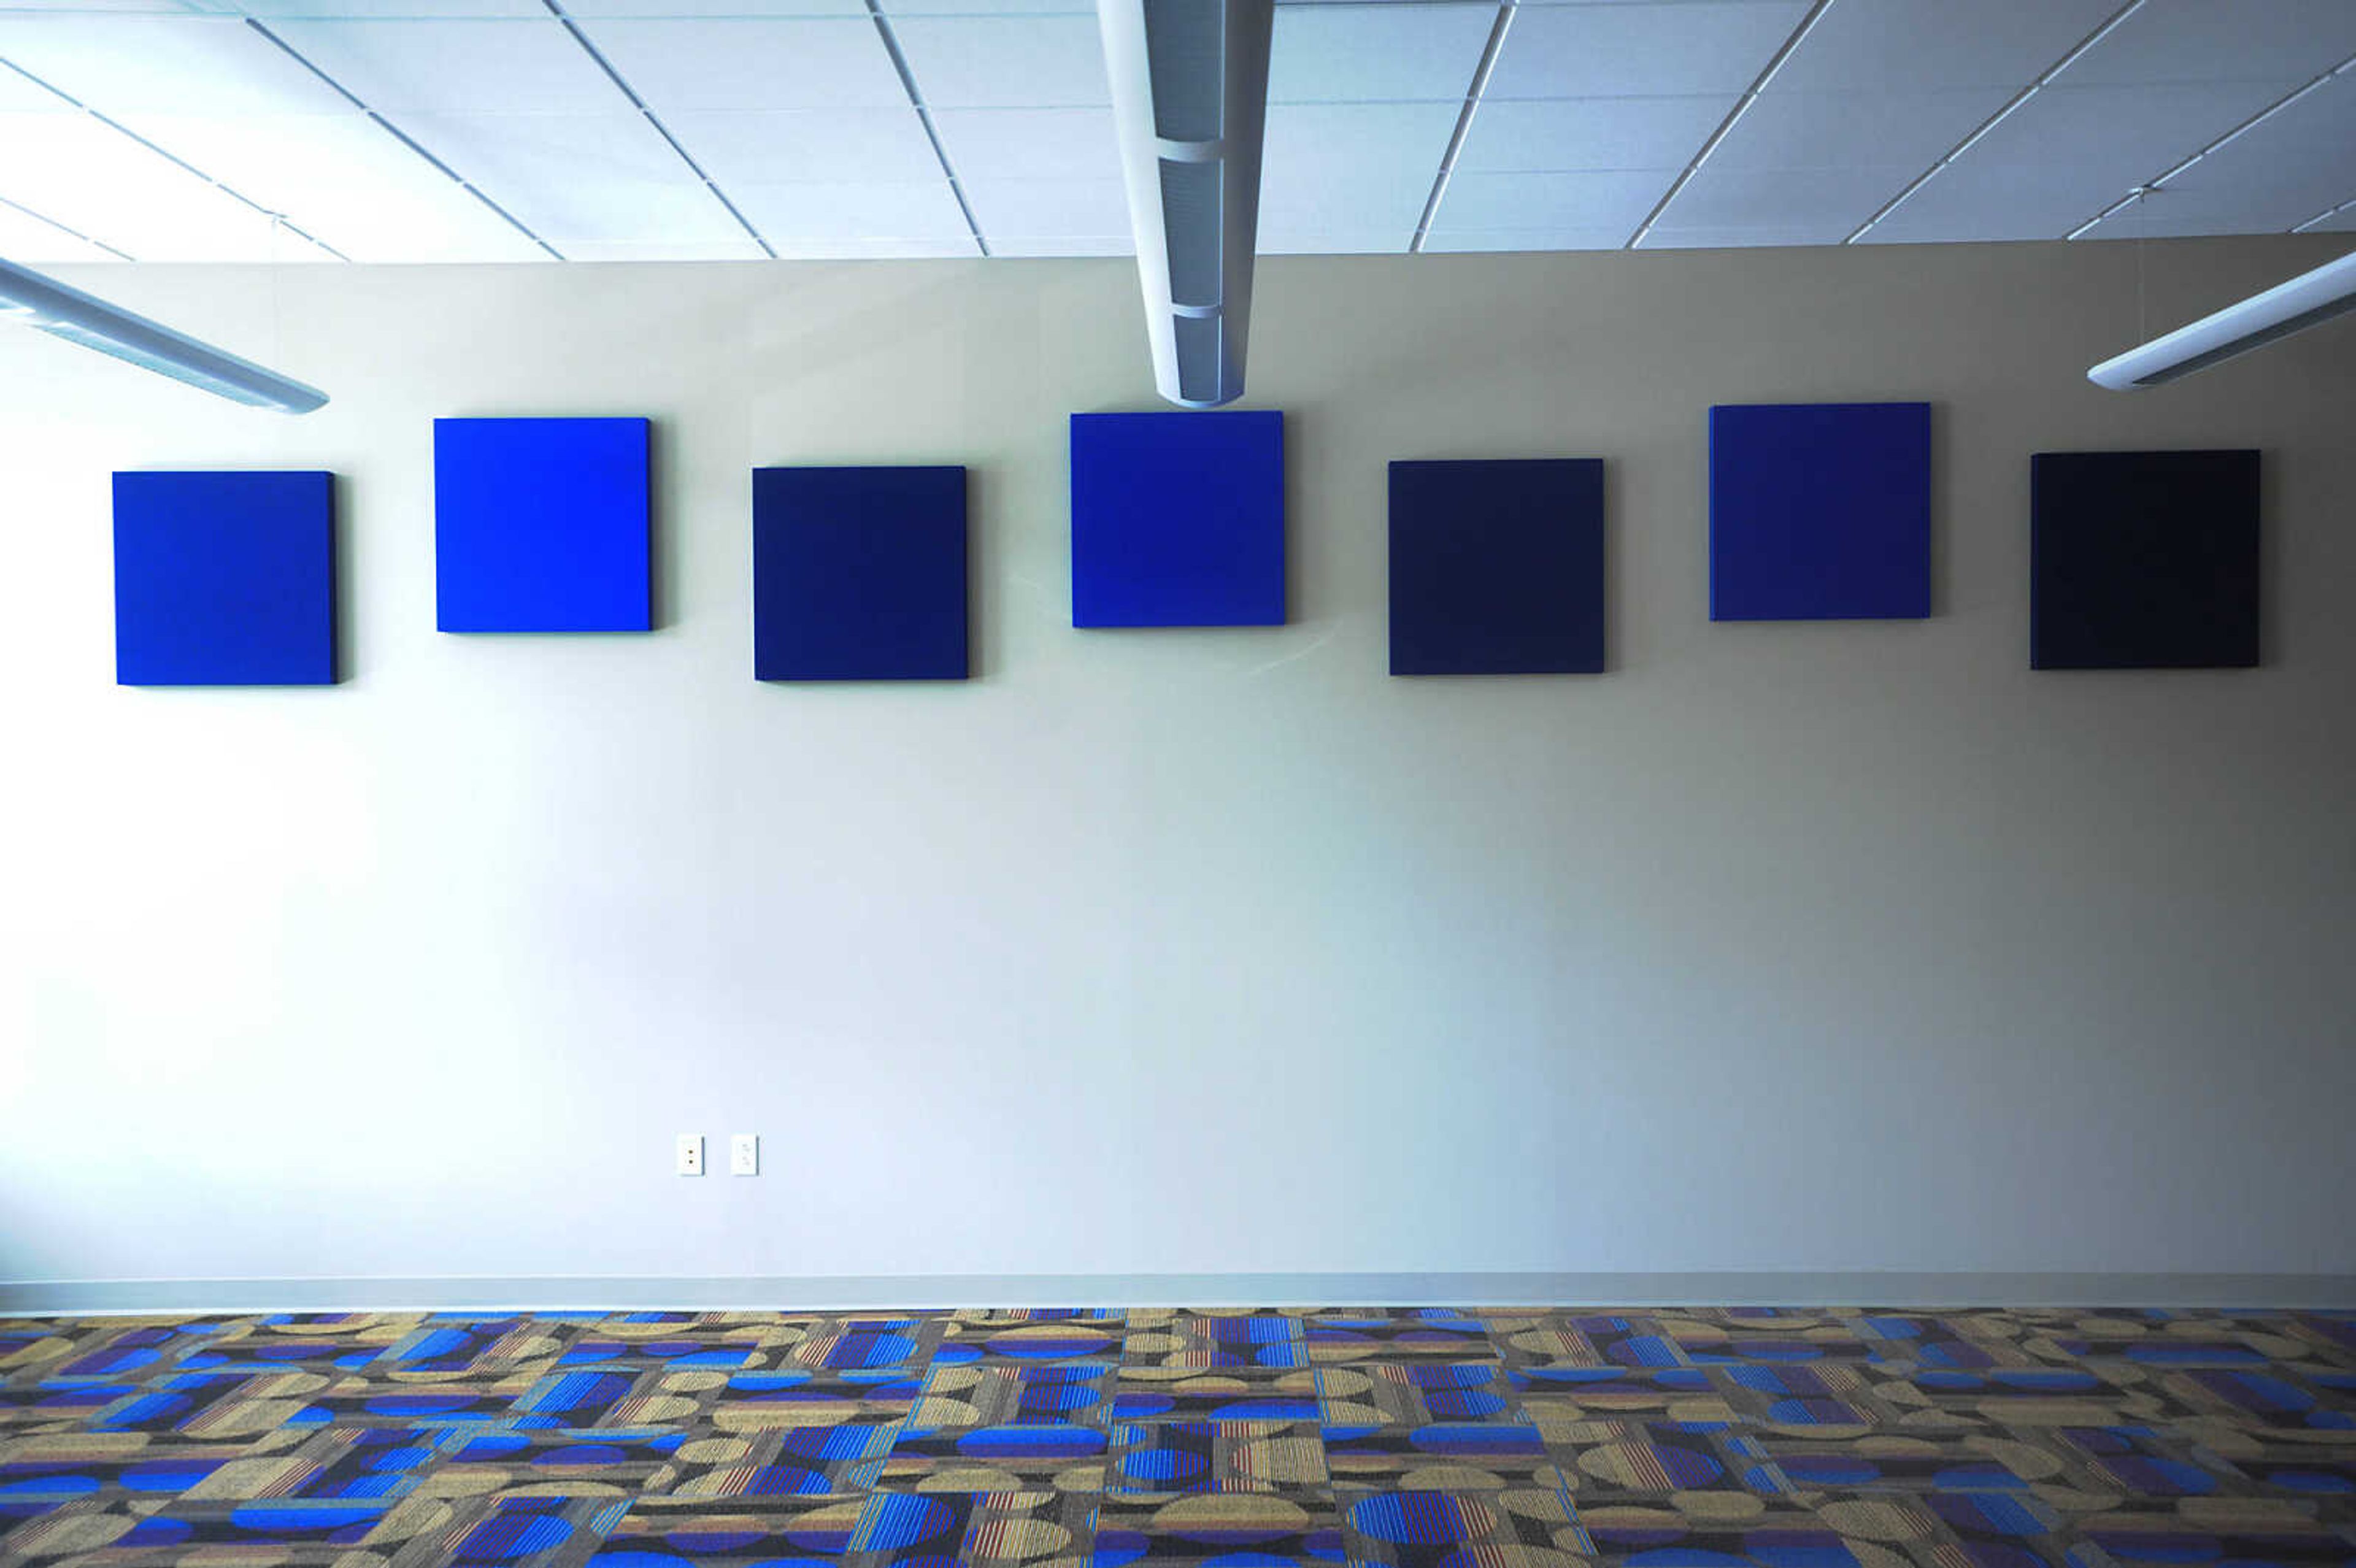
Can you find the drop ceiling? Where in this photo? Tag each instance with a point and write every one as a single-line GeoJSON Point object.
{"type": "Point", "coordinates": [597, 129]}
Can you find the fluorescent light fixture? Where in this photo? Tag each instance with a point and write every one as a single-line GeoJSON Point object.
{"type": "Point", "coordinates": [2306, 299]}
{"type": "Point", "coordinates": [78, 318]}
{"type": "Point", "coordinates": [1190, 103]}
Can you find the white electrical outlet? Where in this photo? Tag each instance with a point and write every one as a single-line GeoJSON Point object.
{"type": "Point", "coordinates": [691, 1154]}
{"type": "Point", "coordinates": [745, 1155]}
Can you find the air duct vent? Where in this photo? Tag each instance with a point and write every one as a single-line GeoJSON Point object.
{"type": "Point", "coordinates": [1190, 99]}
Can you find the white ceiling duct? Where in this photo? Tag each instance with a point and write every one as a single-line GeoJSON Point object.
{"type": "Point", "coordinates": [78, 318]}
{"type": "Point", "coordinates": [1190, 99]}
{"type": "Point", "coordinates": [2305, 301]}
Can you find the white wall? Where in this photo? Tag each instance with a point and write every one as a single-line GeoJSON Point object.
{"type": "Point", "coordinates": [1809, 947]}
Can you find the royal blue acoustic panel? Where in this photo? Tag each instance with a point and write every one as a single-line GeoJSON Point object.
{"type": "Point", "coordinates": [1178, 519]}
{"type": "Point", "coordinates": [2143, 559]}
{"type": "Point", "coordinates": [859, 575]}
{"type": "Point", "coordinates": [224, 579]}
{"type": "Point", "coordinates": [1819, 511]}
{"type": "Point", "coordinates": [1497, 567]}
{"type": "Point", "coordinates": [541, 525]}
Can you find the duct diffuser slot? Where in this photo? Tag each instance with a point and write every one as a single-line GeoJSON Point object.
{"type": "Point", "coordinates": [1190, 221]}
{"type": "Point", "coordinates": [1184, 40]}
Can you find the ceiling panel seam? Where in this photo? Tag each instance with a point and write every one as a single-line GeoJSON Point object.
{"type": "Point", "coordinates": [279, 218]}
{"type": "Point", "coordinates": [1993, 121]}
{"type": "Point", "coordinates": [398, 134]}
{"type": "Point", "coordinates": [66, 228]}
{"type": "Point", "coordinates": [1455, 149]}
{"type": "Point", "coordinates": [638, 104]}
{"type": "Point", "coordinates": [2151, 186]}
{"type": "Point", "coordinates": [1726, 126]}
{"type": "Point", "coordinates": [2326, 215]}
{"type": "Point", "coordinates": [924, 118]}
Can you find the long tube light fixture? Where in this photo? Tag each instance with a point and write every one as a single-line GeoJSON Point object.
{"type": "Point", "coordinates": [1190, 103]}
{"type": "Point", "coordinates": [2305, 301]}
{"type": "Point", "coordinates": [68, 313]}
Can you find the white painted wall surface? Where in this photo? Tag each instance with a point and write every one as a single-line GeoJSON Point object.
{"type": "Point", "coordinates": [1780, 947]}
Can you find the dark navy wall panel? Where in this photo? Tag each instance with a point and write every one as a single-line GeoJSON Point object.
{"type": "Point", "coordinates": [1819, 511]}
{"type": "Point", "coordinates": [1496, 568]}
{"type": "Point", "coordinates": [541, 525]}
{"type": "Point", "coordinates": [2143, 559]}
{"type": "Point", "coordinates": [1178, 519]}
{"type": "Point", "coordinates": [859, 575]}
{"type": "Point", "coordinates": [224, 579]}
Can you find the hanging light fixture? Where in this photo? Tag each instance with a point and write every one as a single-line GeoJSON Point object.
{"type": "Point", "coordinates": [68, 313]}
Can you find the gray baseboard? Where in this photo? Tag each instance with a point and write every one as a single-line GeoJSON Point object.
{"type": "Point", "coordinates": [816, 1293]}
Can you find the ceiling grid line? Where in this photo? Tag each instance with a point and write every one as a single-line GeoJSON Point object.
{"type": "Point", "coordinates": [1455, 149]}
{"type": "Point", "coordinates": [179, 163]}
{"type": "Point", "coordinates": [1726, 126]}
{"type": "Point", "coordinates": [398, 134]}
{"type": "Point", "coordinates": [67, 229]}
{"type": "Point", "coordinates": [2152, 187]}
{"type": "Point", "coordinates": [626, 91]}
{"type": "Point", "coordinates": [1993, 121]}
{"type": "Point", "coordinates": [2326, 215]}
{"type": "Point", "coordinates": [924, 118]}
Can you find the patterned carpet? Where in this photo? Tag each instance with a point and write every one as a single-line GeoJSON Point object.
{"type": "Point", "coordinates": [1413, 1438]}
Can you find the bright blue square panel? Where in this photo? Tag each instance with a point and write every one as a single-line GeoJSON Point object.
{"type": "Point", "coordinates": [859, 575]}
{"type": "Point", "coordinates": [1497, 567]}
{"type": "Point", "coordinates": [1178, 519]}
{"type": "Point", "coordinates": [224, 579]}
{"type": "Point", "coordinates": [1820, 512]}
{"type": "Point", "coordinates": [541, 526]}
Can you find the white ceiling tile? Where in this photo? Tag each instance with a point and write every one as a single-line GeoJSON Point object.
{"type": "Point", "coordinates": [1381, 241]}
{"type": "Point", "coordinates": [1973, 201]}
{"type": "Point", "coordinates": [1033, 245]}
{"type": "Point", "coordinates": [1558, 238]}
{"type": "Point", "coordinates": [2127, 135]}
{"type": "Point", "coordinates": [2343, 222]}
{"type": "Point", "coordinates": [24, 236]}
{"type": "Point", "coordinates": [1372, 197]}
{"type": "Point", "coordinates": [1630, 50]}
{"type": "Point", "coordinates": [896, 9]}
{"type": "Point", "coordinates": [2253, 212]}
{"type": "Point", "coordinates": [346, 180]}
{"type": "Point", "coordinates": [1742, 238]}
{"type": "Point", "coordinates": [1304, 141]}
{"type": "Point", "coordinates": [94, 178]}
{"type": "Point", "coordinates": [801, 219]}
{"type": "Point", "coordinates": [751, 63]}
{"type": "Point", "coordinates": [2207, 40]}
{"type": "Point", "coordinates": [1852, 130]}
{"type": "Point", "coordinates": [2273, 176]}
{"type": "Point", "coordinates": [1825, 203]}
{"type": "Point", "coordinates": [1593, 200]}
{"type": "Point", "coordinates": [1047, 206]}
{"type": "Point", "coordinates": [740, 249]}
{"type": "Point", "coordinates": [457, 67]}
{"type": "Point", "coordinates": [574, 177]}
{"type": "Point", "coordinates": [193, 64]}
{"type": "Point", "coordinates": [274, 11]}
{"type": "Point", "coordinates": [1398, 51]}
{"type": "Point", "coordinates": [1030, 144]}
{"type": "Point", "coordinates": [1004, 62]}
{"type": "Point", "coordinates": [1896, 45]}
{"type": "Point", "coordinates": [19, 96]}
{"type": "Point", "coordinates": [771, 148]}
{"type": "Point", "coordinates": [683, 10]}
{"type": "Point", "coordinates": [1591, 133]}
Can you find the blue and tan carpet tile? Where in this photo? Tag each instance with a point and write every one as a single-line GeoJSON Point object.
{"type": "Point", "coordinates": [1245, 1438]}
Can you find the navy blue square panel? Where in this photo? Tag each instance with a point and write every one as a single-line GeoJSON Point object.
{"type": "Point", "coordinates": [1178, 519]}
{"type": "Point", "coordinates": [1819, 511]}
{"type": "Point", "coordinates": [541, 526]}
{"type": "Point", "coordinates": [859, 575]}
{"type": "Point", "coordinates": [2143, 559]}
{"type": "Point", "coordinates": [1497, 567]}
{"type": "Point", "coordinates": [224, 579]}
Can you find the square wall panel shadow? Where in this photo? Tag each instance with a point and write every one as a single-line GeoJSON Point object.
{"type": "Point", "coordinates": [1496, 568]}
{"type": "Point", "coordinates": [859, 575]}
{"type": "Point", "coordinates": [1178, 519]}
{"type": "Point", "coordinates": [541, 525]}
{"type": "Point", "coordinates": [1820, 511]}
{"type": "Point", "coordinates": [2143, 559]}
{"type": "Point", "coordinates": [224, 579]}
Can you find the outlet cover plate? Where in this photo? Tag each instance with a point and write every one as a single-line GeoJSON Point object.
{"type": "Point", "coordinates": [691, 1154]}
{"type": "Point", "coordinates": [745, 1155]}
